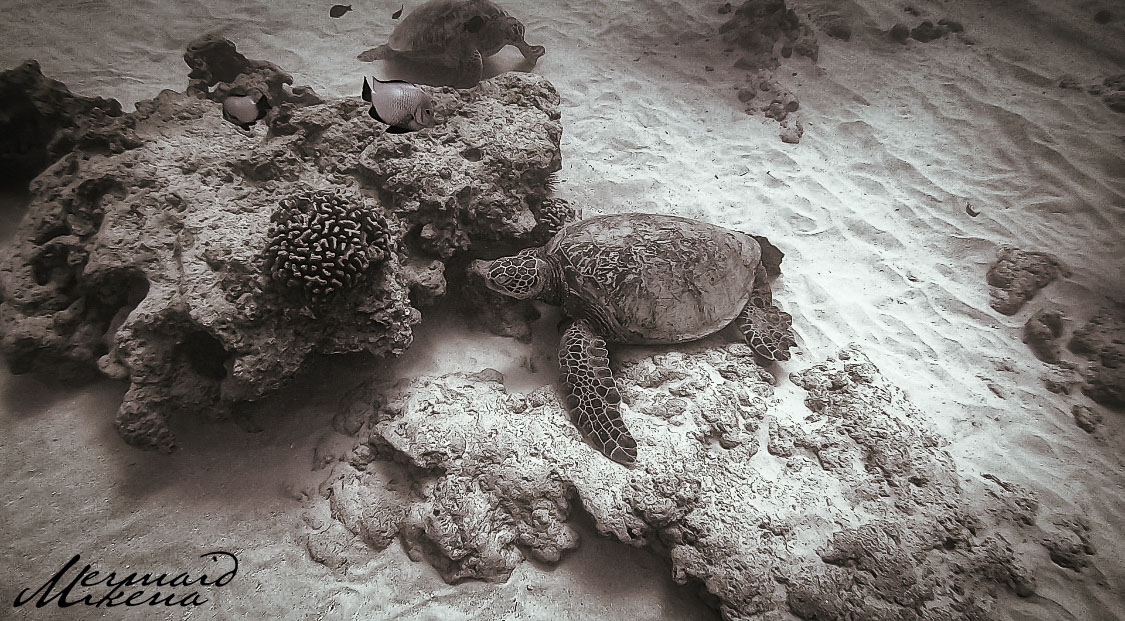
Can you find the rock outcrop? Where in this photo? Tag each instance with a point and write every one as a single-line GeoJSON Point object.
{"type": "Point", "coordinates": [147, 251]}
{"type": "Point", "coordinates": [1041, 333]}
{"type": "Point", "coordinates": [764, 31]}
{"type": "Point", "coordinates": [40, 120]}
{"type": "Point", "coordinates": [1102, 342]}
{"type": "Point", "coordinates": [854, 510]}
{"type": "Point", "coordinates": [1017, 275]}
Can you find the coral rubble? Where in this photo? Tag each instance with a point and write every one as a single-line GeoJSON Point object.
{"type": "Point", "coordinates": [148, 252]}
{"type": "Point", "coordinates": [766, 31]}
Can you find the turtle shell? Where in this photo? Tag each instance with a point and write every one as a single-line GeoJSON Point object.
{"type": "Point", "coordinates": [647, 278]}
{"type": "Point", "coordinates": [439, 25]}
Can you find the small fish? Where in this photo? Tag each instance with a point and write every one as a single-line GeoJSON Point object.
{"type": "Point", "coordinates": [339, 10]}
{"type": "Point", "coordinates": [402, 105]}
{"type": "Point", "coordinates": [244, 111]}
{"type": "Point", "coordinates": [397, 14]}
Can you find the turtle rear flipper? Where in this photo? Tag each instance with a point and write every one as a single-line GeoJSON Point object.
{"type": "Point", "coordinates": [767, 329]}
{"type": "Point", "coordinates": [383, 52]}
{"type": "Point", "coordinates": [593, 399]}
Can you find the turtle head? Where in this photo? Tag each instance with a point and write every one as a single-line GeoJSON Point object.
{"type": "Point", "coordinates": [523, 276]}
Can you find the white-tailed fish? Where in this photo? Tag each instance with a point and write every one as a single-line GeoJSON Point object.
{"type": "Point", "coordinates": [339, 10]}
{"type": "Point", "coordinates": [244, 111]}
{"type": "Point", "coordinates": [401, 105]}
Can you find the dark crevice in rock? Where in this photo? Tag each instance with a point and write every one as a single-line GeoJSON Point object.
{"type": "Point", "coordinates": [58, 229]}
{"type": "Point", "coordinates": [204, 353]}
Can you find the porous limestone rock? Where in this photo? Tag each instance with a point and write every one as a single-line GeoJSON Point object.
{"type": "Point", "coordinates": [1041, 333]}
{"type": "Point", "coordinates": [1102, 342]}
{"type": "Point", "coordinates": [863, 515]}
{"type": "Point", "coordinates": [505, 130]}
{"type": "Point", "coordinates": [147, 259]}
{"type": "Point", "coordinates": [219, 70]}
{"type": "Point", "coordinates": [1017, 275]}
{"type": "Point", "coordinates": [40, 120]}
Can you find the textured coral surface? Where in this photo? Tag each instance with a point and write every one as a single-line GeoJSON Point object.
{"type": "Point", "coordinates": [835, 504]}
{"type": "Point", "coordinates": [147, 250]}
{"type": "Point", "coordinates": [1017, 275]}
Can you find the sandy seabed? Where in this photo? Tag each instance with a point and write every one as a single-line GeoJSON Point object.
{"type": "Point", "coordinates": [870, 208]}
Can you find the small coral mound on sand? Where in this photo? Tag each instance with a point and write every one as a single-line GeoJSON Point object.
{"type": "Point", "coordinates": [925, 31]}
{"type": "Point", "coordinates": [219, 70]}
{"type": "Point", "coordinates": [1102, 342]}
{"type": "Point", "coordinates": [322, 241]}
{"type": "Point", "coordinates": [1018, 275]}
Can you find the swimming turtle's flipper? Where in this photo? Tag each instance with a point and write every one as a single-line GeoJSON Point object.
{"type": "Point", "coordinates": [376, 53]}
{"type": "Point", "coordinates": [592, 396]}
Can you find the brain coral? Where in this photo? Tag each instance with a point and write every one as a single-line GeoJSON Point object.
{"type": "Point", "coordinates": [323, 241]}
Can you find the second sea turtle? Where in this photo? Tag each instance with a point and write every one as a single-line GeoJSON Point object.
{"type": "Point", "coordinates": [642, 278]}
{"type": "Point", "coordinates": [456, 34]}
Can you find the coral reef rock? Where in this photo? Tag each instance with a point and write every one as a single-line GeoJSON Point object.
{"type": "Point", "coordinates": [40, 120]}
{"type": "Point", "coordinates": [1102, 342]}
{"type": "Point", "coordinates": [147, 251]}
{"type": "Point", "coordinates": [854, 511]}
{"type": "Point", "coordinates": [1041, 333]}
{"type": "Point", "coordinates": [1017, 276]}
{"type": "Point", "coordinates": [506, 131]}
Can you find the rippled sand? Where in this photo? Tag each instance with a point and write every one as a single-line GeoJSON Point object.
{"type": "Point", "coordinates": [870, 209]}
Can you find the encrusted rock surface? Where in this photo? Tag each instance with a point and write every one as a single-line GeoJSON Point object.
{"type": "Point", "coordinates": [758, 25]}
{"type": "Point", "coordinates": [855, 511]}
{"type": "Point", "coordinates": [1017, 275]}
{"type": "Point", "coordinates": [40, 120]}
{"type": "Point", "coordinates": [505, 130]}
{"type": "Point", "coordinates": [144, 250]}
{"type": "Point", "coordinates": [1041, 333]}
{"type": "Point", "coordinates": [1102, 342]}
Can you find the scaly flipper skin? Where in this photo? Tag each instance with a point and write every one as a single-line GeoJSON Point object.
{"type": "Point", "coordinates": [767, 329]}
{"type": "Point", "coordinates": [592, 395]}
{"type": "Point", "coordinates": [472, 68]}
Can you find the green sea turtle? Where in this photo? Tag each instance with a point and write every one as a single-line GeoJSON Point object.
{"type": "Point", "coordinates": [642, 278]}
{"type": "Point", "coordinates": [455, 33]}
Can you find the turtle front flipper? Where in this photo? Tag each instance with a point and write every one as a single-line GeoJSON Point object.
{"type": "Point", "coordinates": [592, 395]}
{"type": "Point", "coordinates": [767, 329]}
{"type": "Point", "coordinates": [472, 68]}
